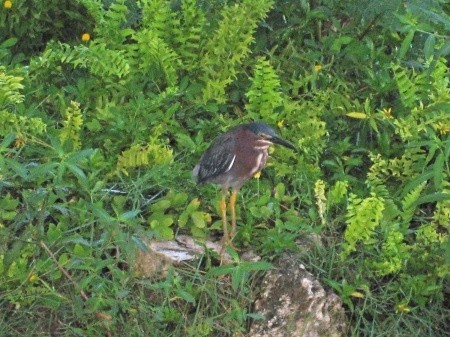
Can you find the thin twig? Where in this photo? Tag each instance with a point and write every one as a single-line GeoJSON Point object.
{"type": "Point", "coordinates": [65, 272]}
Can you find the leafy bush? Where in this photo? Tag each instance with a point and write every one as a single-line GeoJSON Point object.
{"type": "Point", "coordinates": [99, 133]}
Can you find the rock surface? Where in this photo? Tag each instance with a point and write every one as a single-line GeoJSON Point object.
{"type": "Point", "coordinates": [294, 304]}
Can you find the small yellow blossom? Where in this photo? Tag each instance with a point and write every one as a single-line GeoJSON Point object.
{"type": "Point", "coordinates": [442, 128]}
{"type": "Point", "coordinates": [257, 175]}
{"type": "Point", "coordinates": [280, 123]}
{"type": "Point", "coordinates": [388, 113]}
{"type": "Point", "coordinates": [19, 141]}
{"type": "Point", "coordinates": [318, 67]}
{"type": "Point", "coordinates": [357, 294]}
{"type": "Point", "coordinates": [7, 4]}
{"type": "Point", "coordinates": [32, 278]}
{"type": "Point", "coordinates": [85, 37]}
{"type": "Point", "coordinates": [402, 308]}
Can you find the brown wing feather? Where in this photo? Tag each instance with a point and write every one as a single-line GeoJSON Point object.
{"type": "Point", "coordinates": [217, 158]}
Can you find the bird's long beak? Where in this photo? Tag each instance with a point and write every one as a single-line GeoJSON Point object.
{"type": "Point", "coordinates": [278, 140]}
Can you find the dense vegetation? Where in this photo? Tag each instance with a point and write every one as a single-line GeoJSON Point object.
{"type": "Point", "coordinates": [105, 107]}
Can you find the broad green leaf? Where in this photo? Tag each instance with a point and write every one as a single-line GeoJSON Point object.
{"type": "Point", "coordinates": [80, 251]}
{"type": "Point", "coordinates": [8, 43]}
{"type": "Point", "coordinates": [406, 44]}
{"type": "Point", "coordinates": [53, 233]}
{"type": "Point", "coordinates": [438, 172]}
{"type": "Point", "coordinates": [193, 205]}
{"type": "Point", "coordinates": [199, 219]}
{"type": "Point", "coordinates": [428, 48]}
{"type": "Point", "coordinates": [160, 205]}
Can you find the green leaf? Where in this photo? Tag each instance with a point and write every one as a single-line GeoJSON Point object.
{"type": "Point", "coordinates": [163, 233]}
{"type": "Point", "coordinates": [433, 197]}
{"type": "Point", "coordinates": [8, 43]}
{"type": "Point", "coordinates": [444, 50]}
{"type": "Point", "coordinates": [53, 233]}
{"type": "Point", "coordinates": [406, 44]}
{"type": "Point", "coordinates": [193, 205]}
{"type": "Point", "coordinates": [185, 295]}
{"type": "Point", "coordinates": [183, 219]}
{"type": "Point", "coordinates": [129, 215]}
{"type": "Point", "coordinates": [160, 205]}
{"type": "Point", "coordinates": [438, 172]}
{"type": "Point", "coordinates": [428, 48]}
{"type": "Point", "coordinates": [80, 251]}
{"type": "Point", "coordinates": [199, 219]}
{"type": "Point", "coordinates": [357, 115]}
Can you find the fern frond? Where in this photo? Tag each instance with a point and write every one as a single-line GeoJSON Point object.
{"type": "Point", "coordinates": [264, 95]}
{"type": "Point", "coordinates": [158, 17]}
{"type": "Point", "coordinates": [408, 202]}
{"type": "Point", "coordinates": [393, 255]}
{"type": "Point", "coordinates": [191, 35]}
{"type": "Point", "coordinates": [337, 192]}
{"type": "Point", "coordinates": [10, 87]}
{"type": "Point", "coordinates": [229, 45]}
{"type": "Point", "coordinates": [319, 193]}
{"type": "Point", "coordinates": [110, 64]}
{"type": "Point", "coordinates": [11, 122]}
{"type": "Point", "coordinates": [148, 155]}
{"type": "Point", "coordinates": [72, 124]}
{"type": "Point", "coordinates": [154, 57]}
{"type": "Point", "coordinates": [363, 216]}
{"type": "Point", "coordinates": [109, 20]}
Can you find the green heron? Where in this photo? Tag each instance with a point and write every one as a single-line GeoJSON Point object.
{"type": "Point", "coordinates": [232, 159]}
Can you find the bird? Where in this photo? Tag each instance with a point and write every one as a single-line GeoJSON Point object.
{"type": "Point", "coordinates": [232, 159]}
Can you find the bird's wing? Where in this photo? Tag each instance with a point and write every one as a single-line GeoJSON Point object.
{"type": "Point", "coordinates": [218, 158]}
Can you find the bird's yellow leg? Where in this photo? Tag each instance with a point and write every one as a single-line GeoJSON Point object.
{"type": "Point", "coordinates": [223, 210]}
{"type": "Point", "coordinates": [233, 198]}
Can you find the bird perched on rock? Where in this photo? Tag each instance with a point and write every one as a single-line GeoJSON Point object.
{"type": "Point", "coordinates": [232, 159]}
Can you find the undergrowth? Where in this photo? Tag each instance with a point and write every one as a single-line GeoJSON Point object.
{"type": "Point", "coordinates": [101, 125]}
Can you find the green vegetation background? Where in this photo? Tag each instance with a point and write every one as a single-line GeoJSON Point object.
{"type": "Point", "coordinates": [105, 107]}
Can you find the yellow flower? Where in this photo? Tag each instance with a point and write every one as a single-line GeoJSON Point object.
{"type": "Point", "coordinates": [318, 67]}
{"type": "Point", "coordinates": [442, 128]}
{"type": "Point", "coordinates": [402, 308]}
{"type": "Point", "coordinates": [7, 4]}
{"type": "Point", "coordinates": [257, 175]}
{"type": "Point", "coordinates": [280, 123]}
{"type": "Point", "coordinates": [388, 113]}
{"type": "Point", "coordinates": [32, 278]}
{"type": "Point", "coordinates": [85, 37]}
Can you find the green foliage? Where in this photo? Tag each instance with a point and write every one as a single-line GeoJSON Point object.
{"type": "Point", "coordinates": [363, 217]}
{"type": "Point", "coordinates": [264, 96]}
{"type": "Point", "coordinates": [98, 137]}
{"type": "Point", "coordinates": [227, 47]}
{"type": "Point", "coordinates": [72, 124]}
{"type": "Point", "coordinates": [33, 24]}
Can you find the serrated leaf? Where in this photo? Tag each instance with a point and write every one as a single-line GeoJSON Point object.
{"type": "Point", "coordinates": [183, 218]}
{"type": "Point", "coordinates": [357, 115]}
{"type": "Point", "coordinates": [193, 205]}
{"type": "Point", "coordinates": [179, 199]}
{"type": "Point", "coordinates": [199, 219]}
{"type": "Point", "coordinates": [163, 233]}
{"type": "Point", "coordinates": [160, 205]}
{"type": "Point", "coordinates": [53, 233]}
{"type": "Point", "coordinates": [80, 251]}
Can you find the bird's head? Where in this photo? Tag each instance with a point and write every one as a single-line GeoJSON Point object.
{"type": "Point", "coordinates": [265, 132]}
